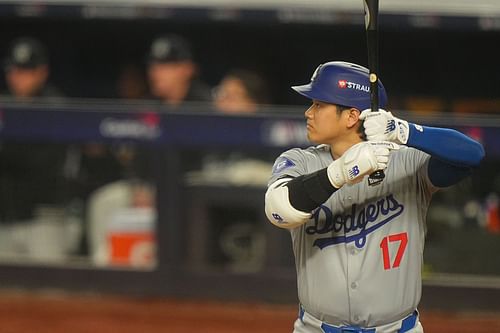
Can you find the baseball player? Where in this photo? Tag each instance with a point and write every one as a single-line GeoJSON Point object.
{"type": "Point", "coordinates": [358, 242]}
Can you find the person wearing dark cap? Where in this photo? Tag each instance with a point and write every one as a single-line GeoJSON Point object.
{"type": "Point", "coordinates": [33, 175]}
{"type": "Point", "coordinates": [27, 70]}
{"type": "Point", "coordinates": [172, 72]}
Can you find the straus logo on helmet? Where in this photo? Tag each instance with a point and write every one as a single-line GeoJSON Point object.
{"type": "Point", "coordinates": [343, 84]}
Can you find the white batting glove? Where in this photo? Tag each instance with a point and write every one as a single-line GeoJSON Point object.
{"type": "Point", "coordinates": [383, 126]}
{"type": "Point", "coordinates": [360, 160]}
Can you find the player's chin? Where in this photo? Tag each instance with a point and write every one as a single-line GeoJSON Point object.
{"type": "Point", "coordinates": [314, 138]}
{"type": "Point", "coordinates": [317, 137]}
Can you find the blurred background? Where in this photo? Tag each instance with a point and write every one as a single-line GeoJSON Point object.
{"type": "Point", "coordinates": [136, 139]}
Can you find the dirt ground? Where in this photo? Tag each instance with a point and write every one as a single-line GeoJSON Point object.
{"type": "Point", "coordinates": [58, 312]}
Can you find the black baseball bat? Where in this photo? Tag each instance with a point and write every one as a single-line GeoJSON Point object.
{"type": "Point", "coordinates": [371, 25]}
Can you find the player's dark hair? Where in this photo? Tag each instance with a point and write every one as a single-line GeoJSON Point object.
{"type": "Point", "coordinates": [341, 108]}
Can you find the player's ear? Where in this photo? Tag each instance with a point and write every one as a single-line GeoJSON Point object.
{"type": "Point", "coordinates": [352, 117]}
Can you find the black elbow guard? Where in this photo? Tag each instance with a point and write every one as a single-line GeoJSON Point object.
{"type": "Point", "coordinates": [308, 192]}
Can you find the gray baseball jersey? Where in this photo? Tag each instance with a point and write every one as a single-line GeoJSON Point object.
{"type": "Point", "coordinates": [359, 257]}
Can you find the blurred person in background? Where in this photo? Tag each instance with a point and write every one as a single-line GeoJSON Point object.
{"type": "Point", "coordinates": [33, 182]}
{"type": "Point", "coordinates": [41, 182]}
{"type": "Point", "coordinates": [173, 74]}
{"type": "Point", "coordinates": [241, 91]}
{"type": "Point", "coordinates": [27, 71]}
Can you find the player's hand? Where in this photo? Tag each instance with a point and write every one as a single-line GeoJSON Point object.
{"type": "Point", "coordinates": [360, 160]}
{"type": "Point", "coordinates": [383, 126]}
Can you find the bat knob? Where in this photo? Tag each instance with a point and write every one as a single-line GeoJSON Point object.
{"type": "Point", "coordinates": [376, 178]}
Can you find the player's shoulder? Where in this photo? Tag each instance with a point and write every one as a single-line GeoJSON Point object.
{"type": "Point", "coordinates": [309, 152]}
{"type": "Point", "coordinates": [303, 159]}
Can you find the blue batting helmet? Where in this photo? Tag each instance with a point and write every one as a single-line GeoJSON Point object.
{"type": "Point", "coordinates": [342, 83]}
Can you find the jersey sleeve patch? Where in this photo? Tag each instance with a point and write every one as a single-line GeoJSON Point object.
{"type": "Point", "coordinates": [282, 164]}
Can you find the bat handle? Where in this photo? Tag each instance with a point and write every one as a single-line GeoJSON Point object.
{"type": "Point", "coordinates": [376, 177]}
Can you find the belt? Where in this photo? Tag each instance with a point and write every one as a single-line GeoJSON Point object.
{"type": "Point", "coordinates": [407, 324]}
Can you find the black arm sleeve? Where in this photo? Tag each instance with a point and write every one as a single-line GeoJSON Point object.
{"type": "Point", "coordinates": [307, 192]}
